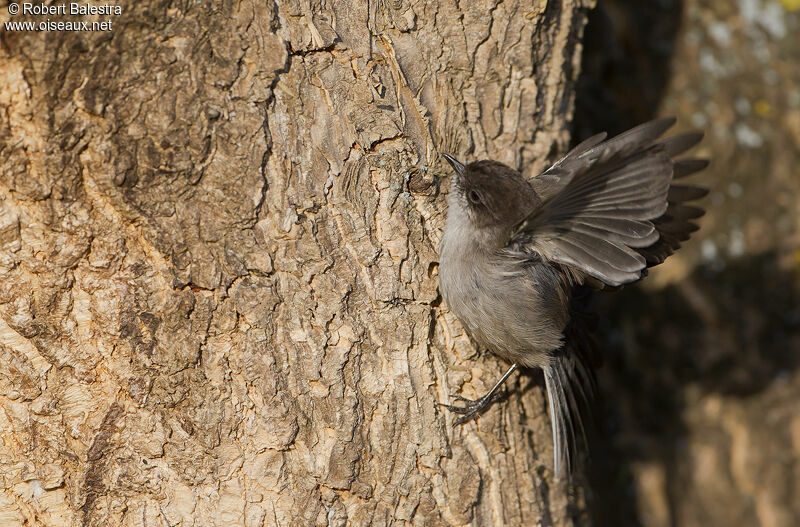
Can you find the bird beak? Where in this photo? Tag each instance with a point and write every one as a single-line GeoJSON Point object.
{"type": "Point", "coordinates": [455, 163]}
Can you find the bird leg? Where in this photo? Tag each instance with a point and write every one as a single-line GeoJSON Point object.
{"type": "Point", "coordinates": [471, 408]}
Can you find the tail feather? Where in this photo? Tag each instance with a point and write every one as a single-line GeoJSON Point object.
{"type": "Point", "coordinates": [570, 386]}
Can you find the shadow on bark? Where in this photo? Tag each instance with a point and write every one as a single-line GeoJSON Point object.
{"type": "Point", "coordinates": [729, 332]}
{"type": "Point", "coordinates": [719, 332]}
{"type": "Point", "coordinates": [625, 65]}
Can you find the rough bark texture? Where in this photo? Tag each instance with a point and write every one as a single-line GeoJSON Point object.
{"type": "Point", "coordinates": [218, 255]}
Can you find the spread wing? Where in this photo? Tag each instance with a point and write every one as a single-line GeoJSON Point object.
{"type": "Point", "coordinates": [610, 208]}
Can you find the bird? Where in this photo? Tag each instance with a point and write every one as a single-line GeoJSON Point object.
{"type": "Point", "coordinates": [515, 253]}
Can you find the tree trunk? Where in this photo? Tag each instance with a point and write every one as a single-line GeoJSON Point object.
{"type": "Point", "coordinates": [218, 269]}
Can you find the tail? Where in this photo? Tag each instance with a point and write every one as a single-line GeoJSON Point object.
{"type": "Point", "coordinates": [570, 386]}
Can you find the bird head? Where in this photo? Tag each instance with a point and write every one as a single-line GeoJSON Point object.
{"type": "Point", "coordinates": [491, 196]}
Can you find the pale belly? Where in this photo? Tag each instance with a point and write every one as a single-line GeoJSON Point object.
{"type": "Point", "coordinates": [517, 315]}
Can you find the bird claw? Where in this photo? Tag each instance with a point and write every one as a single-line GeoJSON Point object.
{"type": "Point", "coordinates": [471, 407]}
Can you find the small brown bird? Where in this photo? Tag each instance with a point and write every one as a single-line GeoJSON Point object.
{"type": "Point", "coordinates": [514, 251]}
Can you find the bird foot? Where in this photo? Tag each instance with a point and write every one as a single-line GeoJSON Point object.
{"type": "Point", "coordinates": [471, 407]}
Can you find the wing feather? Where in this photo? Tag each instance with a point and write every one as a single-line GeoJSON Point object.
{"type": "Point", "coordinates": [678, 144]}
{"type": "Point", "coordinates": [609, 207]}
{"type": "Point", "coordinates": [687, 167]}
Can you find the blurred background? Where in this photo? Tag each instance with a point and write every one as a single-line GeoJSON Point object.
{"type": "Point", "coordinates": [701, 413]}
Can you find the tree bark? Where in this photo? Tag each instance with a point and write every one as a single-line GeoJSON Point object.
{"type": "Point", "coordinates": [218, 263]}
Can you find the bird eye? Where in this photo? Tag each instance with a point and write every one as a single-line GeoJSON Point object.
{"type": "Point", "coordinates": [474, 197]}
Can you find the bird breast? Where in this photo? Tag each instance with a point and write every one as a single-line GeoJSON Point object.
{"type": "Point", "coordinates": [514, 309]}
